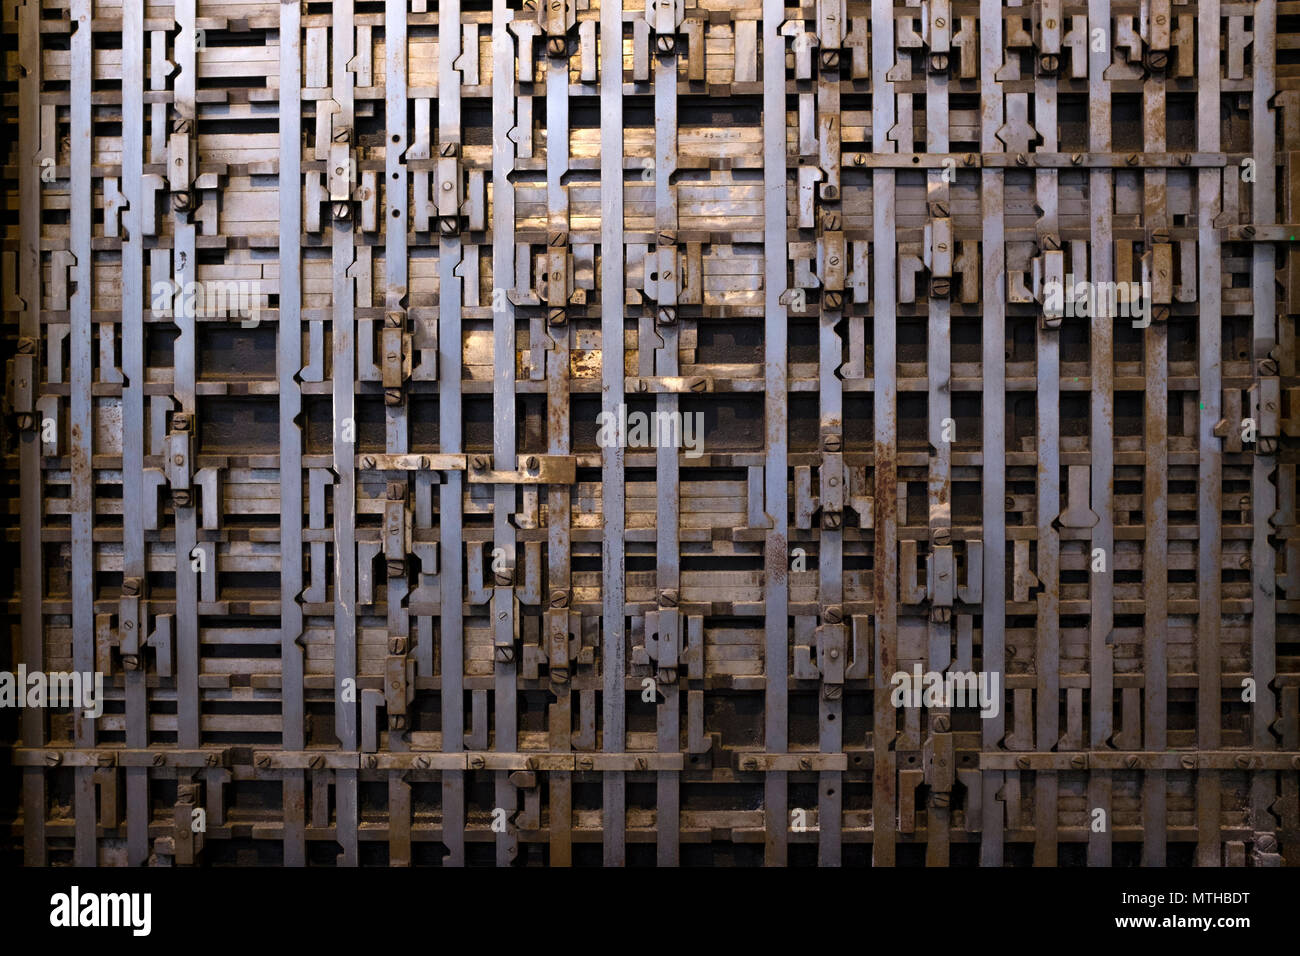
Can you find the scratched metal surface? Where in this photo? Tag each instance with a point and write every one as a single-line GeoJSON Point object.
{"type": "Point", "coordinates": [429, 601]}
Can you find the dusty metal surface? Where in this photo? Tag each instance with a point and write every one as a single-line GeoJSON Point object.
{"type": "Point", "coordinates": [314, 318]}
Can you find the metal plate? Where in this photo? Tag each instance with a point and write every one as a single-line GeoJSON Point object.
{"type": "Point", "coordinates": [552, 433]}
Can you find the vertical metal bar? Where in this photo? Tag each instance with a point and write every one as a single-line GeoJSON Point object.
{"type": "Point", "coordinates": [558, 516]}
{"type": "Point", "coordinates": [1155, 502]}
{"type": "Point", "coordinates": [885, 415]}
{"type": "Point", "coordinates": [343, 318]}
{"type": "Point", "coordinates": [31, 509]}
{"type": "Point", "coordinates": [1047, 660]}
{"type": "Point", "coordinates": [939, 490]}
{"type": "Point", "coordinates": [289, 343]}
{"type": "Point", "coordinates": [134, 549]}
{"type": "Point", "coordinates": [81, 423]}
{"type": "Point", "coordinates": [776, 554]}
{"type": "Point", "coordinates": [1209, 550]}
{"type": "Point", "coordinates": [993, 367]}
{"type": "Point", "coordinates": [186, 269]}
{"type": "Point", "coordinates": [1101, 441]}
{"type": "Point", "coordinates": [613, 500]}
{"type": "Point", "coordinates": [503, 402]}
{"type": "Point", "coordinates": [449, 433]}
{"type": "Point", "coordinates": [1263, 491]}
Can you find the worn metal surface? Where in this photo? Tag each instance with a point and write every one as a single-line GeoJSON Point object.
{"type": "Point", "coordinates": [366, 587]}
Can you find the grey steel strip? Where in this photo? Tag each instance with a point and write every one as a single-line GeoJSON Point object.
{"type": "Point", "coordinates": [1263, 489]}
{"type": "Point", "coordinates": [993, 366]}
{"type": "Point", "coordinates": [289, 344]}
{"type": "Point", "coordinates": [185, 266]}
{"type": "Point", "coordinates": [1047, 660]}
{"type": "Point", "coordinates": [558, 513]}
{"type": "Point", "coordinates": [1155, 508]}
{"type": "Point", "coordinates": [29, 453]}
{"type": "Point", "coordinates": [449, 434]}
{"type": "Point", "coordinates": [1102, 444]}
{"type": "Point", "coordinates": [134, 549]}
{"type": "Point", "coordinates": [345, 492]}
{"type": "Point", "coordinates": [613, 500]}
{"type": "Point", "coordinates": [775, 335]}
{"type": "Point", "coordinates": [504, 610]}
{"type": "Point", "coordinates": [885, 449]}
{"type": "Point", "coordinates": [667, 463]}
{"type": "Point", "coordinates": [1209, 527]}
{"type": "Point", "coordinates": [81, 423]}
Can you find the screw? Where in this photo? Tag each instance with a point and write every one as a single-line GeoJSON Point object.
{"type": "Point", "coordinates": [264, 761]}
{"type": "Point", "coordinates": [1079, 762]}
{"type": "Point", "coordinates": [805, 763]}
{"type": "Point", "coordinates": [833, 616]}
{"type": "Point", "coordinates": [1022, 159]}
{"type": "Point", "coordinates": [749, 763]}
{"type": "Point", "coordinates": [340, 210]}
{"type": "Point", "coordinates": [480, 463]}
{"type": "Point", "coordinates": [942, 536]}
{"type": "Point", "coordinates": [159, 759]}
{"type": "Point", "coordinates": [1132, 761]}
{"type": "Point", "coordinates": [1242, 761]}
{"type": "Point", "coordinates": [938, 62]}
{"type": "Point", "coordinates": [477, 763]}
{"type": "Point", "coordinates": [1158, 60]}
{"type": "Point", "coordinates": [556, 47]}
{"type": "Point", "coordinates": [1132, 159]}
{"type": "Point", "coordinates": [131, 587]}
{"type": "Point", "coordinates": [831, 221]}
{"type": "Point", "coordinates": [664, 44]}
{"type": "Point", "coordinates": [368, 461]}
{"type": "Point", "coordinates": [640, 763]}
{"type": "Point", "coordinates": [317, 762]}
{"type": "Point", "coordinates": [531, 463]}
{"type": "Point", "coordinates": [53, 758]}
{"type": "Point", "coordinates": [859, 160]}
{"type": "Point", "coordinates": [1267, 366]}
{"type": "Point", "coordinates": [830, 59]}
{"type": "Point", "coordinates": [668, 598]}
{"type": "Point", "coordinates": [586, 763]}
{"type": "Point", "coordinates": [830, 520]}
{"type": "Point", "coordinates": [1076, 159]}
{"type": "Point", "coordinates": [1022, 763]}
{"type": "Point", "coordinates": [834, 300]}
{"type": "Point", "coordinates": [667, 315]}
{"type": "Point", "coordinates": [559, 598]}
{"type": "Point", "coordinates": [1049, 63]}
{"type": "Point", "coordinates": [505, 655]}
{"type": "Point", "coordinates": [343, 134]}
{"type": "Point", "coordinates": [832, 443]}
{"type": "Point", "coordinates": [940, 288]}
{"type": "Point", "coordinates": [1188, 761]}
{"type": "Point", "coordinates": [421, 762]}
{"type": "Point", "coordinates": [941, 724]}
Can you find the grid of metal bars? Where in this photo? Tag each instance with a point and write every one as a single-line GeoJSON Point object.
{"type": "Point", "coordinates": [367, 587]}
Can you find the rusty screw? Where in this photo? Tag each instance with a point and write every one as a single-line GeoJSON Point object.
{"type": "Point", "coordinates": [940, 288]}
{"type": "Point", "coordinates": [421, 762]}
{"type": "Point", "coordinates": [1049, 63]}
{"type": "Point", "coordinates": [830, 520]}
{"type": "Point", "coordinates": [1158, 60]}
{"type": "Point", "coordinates": [1079, 762]}
{"type": "Point", "coordinates": [1132, 761]}
{"type": "Point", "coordinates": [942, 724]}
{"type": "Point", "coordinates": [586, 763]}
{"type": "Point", "coordinates": [264, 762]}
{"type": "Point", "coordinates": [317, 762]}
{"type": "Point", "coordinates": [668, 598]}
{"type": "Point", "coordinates": [53, 758]}
{"type": "Point", "coordinates": [1022, 763]}
{"type": "Point", "coordinates": [1267, 366]}
{"type": "Point", "coordinates": [1242, 761]}
{"type": "Point", "coordinates": [476, 762]}
{"type": "Point", "coordinates": [1188, 761]}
